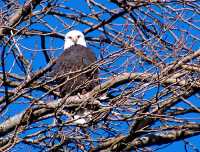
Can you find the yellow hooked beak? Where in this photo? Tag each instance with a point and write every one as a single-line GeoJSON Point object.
{"type": "Point", "coordinates": [75, 39]}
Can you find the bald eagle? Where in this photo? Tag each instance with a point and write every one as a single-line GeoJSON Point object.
{"type": "Point", "coordinates": [73, 70]}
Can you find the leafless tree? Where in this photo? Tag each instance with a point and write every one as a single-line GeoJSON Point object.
{"type": "Point", "coordinates": [148, 57]}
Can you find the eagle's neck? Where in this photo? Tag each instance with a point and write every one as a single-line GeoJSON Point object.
{"type": "Point", "coordinates": [69, 44]}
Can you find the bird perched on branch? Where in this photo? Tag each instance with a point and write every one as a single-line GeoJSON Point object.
{"type": "Point", "coordinates": [75, 72]}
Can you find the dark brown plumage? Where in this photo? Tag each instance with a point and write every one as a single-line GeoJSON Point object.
{"type": "Point", "coordinates": [73, 69]}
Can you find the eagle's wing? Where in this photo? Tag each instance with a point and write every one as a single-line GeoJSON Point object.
{"type": "Point", "coordinates": [69, 65]}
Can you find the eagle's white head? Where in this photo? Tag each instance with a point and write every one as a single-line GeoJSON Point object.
{"type": "Point", "coordinates": [74, 37]}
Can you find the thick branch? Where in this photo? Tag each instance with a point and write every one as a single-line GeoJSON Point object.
{"type": "Point", "coordinates": [163, 137]}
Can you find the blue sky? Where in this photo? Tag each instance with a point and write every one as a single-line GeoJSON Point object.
{"type": "Point", "coordinates": [36, 57]}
